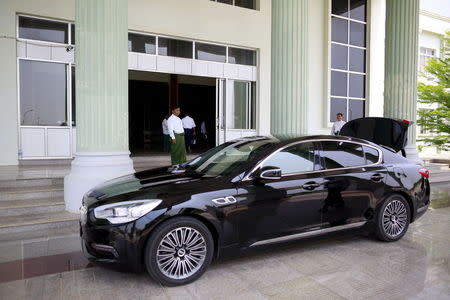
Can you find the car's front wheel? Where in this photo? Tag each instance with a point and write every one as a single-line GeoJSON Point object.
{"type": "Point", "coordinates": [179, 251]}
{"type": "Point", "coordinates": [393, 218]}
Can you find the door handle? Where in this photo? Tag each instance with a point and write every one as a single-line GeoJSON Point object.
{"type": "Point", "coordinates": [310, 185]}
{"type": "Point", "coordinates": [376, 177]}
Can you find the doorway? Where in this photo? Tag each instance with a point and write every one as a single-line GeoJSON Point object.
{"type": "Point", "coordinates": [149, 98]}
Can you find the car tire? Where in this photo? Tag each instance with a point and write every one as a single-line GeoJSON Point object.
{"type": "Point", "coordinates": [179, 251]}
{"type": "Point", "coordinates": [392, 219]}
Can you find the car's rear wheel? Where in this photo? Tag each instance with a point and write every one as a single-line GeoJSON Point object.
{"type": "Point", "coordinates": [393, 218]}
{"type": "Point", "coordinates": [179, 251]}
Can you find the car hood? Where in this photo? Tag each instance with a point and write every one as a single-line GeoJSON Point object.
{"type": "Point", "coordinates": [391, 133]}
{"type": "Point", "coordinates": [158, 183]}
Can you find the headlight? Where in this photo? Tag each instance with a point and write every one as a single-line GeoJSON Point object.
{"type": "Point", "coordinates": [124, 212]}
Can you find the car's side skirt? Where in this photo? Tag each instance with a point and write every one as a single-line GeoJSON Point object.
{"type": "Point", "coordinates": [308, 234]}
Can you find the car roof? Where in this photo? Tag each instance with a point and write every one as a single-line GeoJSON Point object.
{"type": "Point", "coordinates": [286, 141]}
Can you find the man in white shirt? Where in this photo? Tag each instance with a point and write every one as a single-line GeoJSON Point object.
{"type": "Point", "coordinates": [338, 124]}
{"type": "Point", "coordinates": [189, 130]}
{"type": "Point", "coordinates": [176, 132]}
{"type": "Point", "coordinates": [166, 136]}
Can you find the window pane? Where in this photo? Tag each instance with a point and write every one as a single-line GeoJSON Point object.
{"type": "Point", "coordinates": [357, 86]}
{"type": "Point", "coordinates": [356, 109]}
{"type": "Point", "coordinates": [210, 52]}
{"type": "Point", "coordinates": [237, 110]}
{"type": "Point", "coordinates": [339, 57]}
{"type": "Point", "coordinates": [340, 7]}
{"type": "Point", "coordinates": [295, 159]}
{"type": "Point", "coordinates": [225, 1]}
{"type": "Point", "coordinates": [357, 34]}
{"type": "Point", "coordinates": [241, 56]}
{"type": "Point", "coordinates": [141, 43]}
{"type": "Point", "coordinates": [338, 83]}
{"type": "Point", "coordinates": [172, 47]}
{"type": "Point", "coordinates": [246, 3]}
{"type": "Point", "coordinates": [253, 106]}
{"type": "Point", "coordinates": [341, 155]}
{"type": "Point", "coordinates": [358, 10]}
{"type": "Point", "coordinates": [357, 60]}
{"type": "Point", "coordinates": [42, 93]}
{"type": "Point", "coordinates": [337, 105]}
{"type": "Point", "coordinates": [371, 155]}
{"type": "Point", "coordinates": [43, 30]}
{"type": "Point", "coordinates": [339, 30]}
{"type": "Point", "coordinates": [74, 112]}
{"type": "Point", "coordinates": [72, 34]}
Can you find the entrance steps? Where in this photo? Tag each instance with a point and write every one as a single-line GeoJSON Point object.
{"type": "Point", "coordinates": [33, 205]}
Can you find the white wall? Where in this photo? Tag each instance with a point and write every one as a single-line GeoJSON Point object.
{"type": "Point", "coordinates": [195, 19]}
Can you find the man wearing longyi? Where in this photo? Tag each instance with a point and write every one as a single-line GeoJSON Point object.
{"type": "Point", "coordinates": [176, 132]}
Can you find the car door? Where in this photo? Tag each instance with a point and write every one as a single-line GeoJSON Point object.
{"type": "Point", "coordinates": [352, 182]}
{"type": "Point", "coordinates": [288, 205]}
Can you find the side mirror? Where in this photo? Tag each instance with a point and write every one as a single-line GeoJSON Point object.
{"type": "Point", "coordinates": [271, 173]}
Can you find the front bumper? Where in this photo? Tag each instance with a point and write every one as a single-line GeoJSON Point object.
{"type": "Point", "coordinates": [110, 245]}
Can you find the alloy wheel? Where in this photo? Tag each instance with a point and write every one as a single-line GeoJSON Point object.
{"type": "Point", "coordinates": [181, 253]}
{"type": "Point", "coordinates": [395, 218]}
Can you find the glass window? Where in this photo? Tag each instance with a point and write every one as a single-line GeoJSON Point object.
{"type": "Point", "coordinates": [338, 83]}
{"type": "Point", "coordinates": [337, 105]}
{"type": "Point", "coordinates": [357, 86]}
{"type": "Point", "coordinates": [425, 55]}
{"type": "Point", "coordinates": [228, 157]}
{"type": "Point", "coordinates": [241, 56]}
{"type": "Point", "coordinates": [43, 30]}
{"type": "Point", "coordinates": [43, 93]}
{"type": "Point", "coordinates": [371, 155]}
{"type": "Point", "coordinates": [242, 3]}
{"type": "Point", "coordinates": [342, 155]}
{"type": "Point", "coordinates": [348, 55]}
{"type": "Point", "coordinates": [339, 57]}
{"type": "Point", "coordinates": [358, 10]}
{"type": "Point", "coordinates": [173, 47]}
{"type": "Point", "coordinates": [340, 8]}
{"type": "Point", "coordinates": [72, 34]}
{"type": "Point", "coordinates": [74, 112]}
{"type": "Point", "coordinates": [357, 34]}
{"type": "Point", "coordinates": [356, 109]}
{"type": "Point", "coordinates": [339, 30]}
{"type": "Point", "coordinates": [295, 159]}
{"type": "Point", "coordinates": [141, 43]}
{"type": "Point", "coordinates": [210, 52]}
{"type": "Point", "coordinates": [357, 60]}
{"type": "Point", "coordinates": [246, 3]}
{"type": "Point", "coordinates": [240, 110]}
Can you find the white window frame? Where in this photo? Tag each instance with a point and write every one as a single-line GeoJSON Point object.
{"type": "Point", "coordinates": [348, 72]}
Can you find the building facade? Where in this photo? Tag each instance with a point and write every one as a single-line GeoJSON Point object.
{"type": "Point", "coordinates": [71, 88]}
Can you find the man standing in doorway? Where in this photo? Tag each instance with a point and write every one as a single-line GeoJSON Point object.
{"type": "Point", "coordinates": [176, 132]}
{"type": "Point", "coordinates": [189, 130]}
{"type": "Point", "coordinates": [338, 124]}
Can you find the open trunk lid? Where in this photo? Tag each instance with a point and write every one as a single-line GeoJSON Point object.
{"type": "Point", "coordinates": [392, 133]}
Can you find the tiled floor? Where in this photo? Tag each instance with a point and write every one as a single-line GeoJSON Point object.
{"type": "Point", "coordinates": [49, 265]}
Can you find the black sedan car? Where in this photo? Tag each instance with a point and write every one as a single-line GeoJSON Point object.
{"type": "Point", "coordinates": [249, 192]}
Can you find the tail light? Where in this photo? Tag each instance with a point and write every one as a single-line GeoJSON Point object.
{"type": "Point", "coordinates": [424, 172]}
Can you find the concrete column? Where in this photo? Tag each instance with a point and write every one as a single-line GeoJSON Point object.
{"type": "Point", "coordinates": [101, 55]}
{"type": "Point", "coordinates": [400, 90]}
{"type": "Point", "coordinates": [289, 108]}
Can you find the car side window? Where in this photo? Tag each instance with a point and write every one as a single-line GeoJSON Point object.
{"type": "Point", "coordinates": [337, 154]}
{"type": "Point", "coordinates": [372, 155]}
{"type": "Point", "coordinates": [294, 159]}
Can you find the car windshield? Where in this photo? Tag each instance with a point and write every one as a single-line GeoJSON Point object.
{"type": "Point", "coordinates": [227, 157]}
